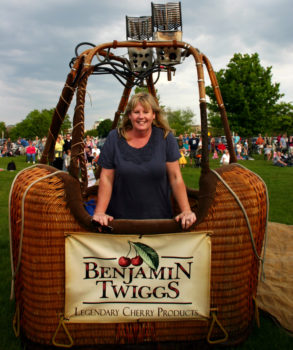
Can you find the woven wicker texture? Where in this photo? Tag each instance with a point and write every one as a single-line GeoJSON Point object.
{"type": "Point", "coordinates": [39, 283]}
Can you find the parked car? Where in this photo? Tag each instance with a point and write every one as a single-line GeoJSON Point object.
{"type": "Point", "coordinates": [100, 143]}
{"type": "Point", "coordinates": [224, 140]}
{"type": "Point", "coordinates": [220, 139]}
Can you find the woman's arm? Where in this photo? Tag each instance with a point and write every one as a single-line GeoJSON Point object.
{"type": "Point", "coordinates": [285, 164]}
{"type": "Point", "coordinates": [104, 196]}
{"type": "Point", "coordinates": [186, 216]}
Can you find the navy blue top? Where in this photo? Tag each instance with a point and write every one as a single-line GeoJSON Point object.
{"type": "Point", "coordinates": [141, 188]}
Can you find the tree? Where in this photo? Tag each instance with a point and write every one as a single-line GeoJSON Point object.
{"type": "Point", "coordinates": [3, 130]}
{"type": "Point", "coordinates": [282, 121]}
{"type": "Point", "coordinates": [248, 93]}
{"type": "Point", "coordinates": [37, 124]}
{"type": "Point", "coordinates": [104, 128]}
{"type": "Point", "coordinates": [145, 89]}
{"type": "Point", "coordinates": [140, 89]}
{"type": "Point", "coordinates": [180, 120]}
{"type": "Point", "coordinates": [91, 132]}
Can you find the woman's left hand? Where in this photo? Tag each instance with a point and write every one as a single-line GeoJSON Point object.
{"type": "Point", "coordinates": [187, 219]}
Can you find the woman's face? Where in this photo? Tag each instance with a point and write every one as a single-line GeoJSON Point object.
{"type": "Point", "coordinates": [141, 118]}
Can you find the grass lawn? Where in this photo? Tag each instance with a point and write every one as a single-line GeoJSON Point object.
{"type": "Point", "coordinates": [279, 183]}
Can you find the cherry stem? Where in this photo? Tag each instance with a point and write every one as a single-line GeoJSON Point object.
{"type": "Point", "coordinates": [130, 246]}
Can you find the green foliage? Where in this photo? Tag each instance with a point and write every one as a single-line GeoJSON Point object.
{"type": "Point", "coordinates": [216, 126]}
{"type": "Point", "coordinates": [248, 93]}
{"type": "Point", "coordinates": [104, 128]}
{"type": "Point", "coordinates": [3, 130]}
{"type": "Point", "coordinates": [282, 121]}
{"type": "Point", "coordinates": [180, 120]}
{"type": "Point", "coordinates": [92, 132]}
{"type": "Point", "coordinates": [37, 124]}
{"type": "Point", "coordinates": [66, 125]}
{"type": "Point", "coordinates": [145, 89]}
{"type": "Point", "coordinates": [140, 89]}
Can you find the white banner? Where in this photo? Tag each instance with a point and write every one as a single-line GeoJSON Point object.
{"type": "Point", "coordinates": [127, 278]}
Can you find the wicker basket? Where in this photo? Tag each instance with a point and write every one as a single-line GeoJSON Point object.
{"type": "Point", "coordinates": [45, 203]}
{"type": "Point", "coordinates": [39, 283]}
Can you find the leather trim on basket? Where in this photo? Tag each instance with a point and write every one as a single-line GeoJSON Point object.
{"type": "Point", "coordinates": [74, 200]}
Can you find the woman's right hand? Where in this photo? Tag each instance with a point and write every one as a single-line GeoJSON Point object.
{"type": "Point", "coordinates": [102, 218]}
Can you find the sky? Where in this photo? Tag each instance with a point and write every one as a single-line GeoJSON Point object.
{"type": "Point", "coordinates": [38, 39]}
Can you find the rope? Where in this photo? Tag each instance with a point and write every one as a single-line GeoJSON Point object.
{"type": "Point", "coordinates": [15, 271]}
{"type": "Point", "coordinates": [52, 135]}
{"type": "Point", "coordinates": [246, 217]}
{"type": "Point", "coordinates": [78, 133]}
{"type": "Point", "coordinates": [57, 112]}
{"type": "Point", "coordinates": [62, 98]}
{"type": "Point", "coordinates": [78, 143]}
{"type": "Point", "coordinates": [16, 321]}
{"type": "Point", "coordinates": [76, 125]}
{"type": "Point", "coordinates": [77, 107]}
{"type": "Point", "coordinates": [77, 155]}
{"type": "Point", "coordinates": [9, 224]}
{"type": "Point", "coordinates": [69, 87]}
{"type": "Point", "coordinates": [256, 312]}
{"type": "Point", "coordinates": [62, 324]}
{"type": "Point", "coordinates": [267, 220]}
{"type": "Point", "coordinates": [214, 322]}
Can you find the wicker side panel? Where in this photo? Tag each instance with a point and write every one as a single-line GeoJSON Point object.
{"type": "Point", "coordinates": [40, 283]}
{"type": "Point", "coordinates": [23, 181]}
{"type": "Point", "coordinates": [234, 265]}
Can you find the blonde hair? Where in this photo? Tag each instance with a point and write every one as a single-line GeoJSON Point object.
{"type": "Point", "coordinates": [148, 102]}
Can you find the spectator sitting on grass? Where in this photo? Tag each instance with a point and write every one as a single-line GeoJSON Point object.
{"type": "Point", "coordinates": [24, 142]}
{"type": "Point", "coordinates": [186, 148]}
{"type": "Point", "coordinates": [239, 150]}
{"type": "Point", "coordinates": [268, 151]}
{"type": "Point", "coordinates": [277, 160]}
{"type": "Point", "coordinates": [290, 158]}
{"type": "Point", "coordinates": [225, 158]}
{"type": "Point", "coordinates": [221, 147]}
{"type": "Point", "coordinates": [4, 151]}
{"type": "Point", "coordinates": [31, 152]}
{"type": "Point", "coordinates": [95, 159]}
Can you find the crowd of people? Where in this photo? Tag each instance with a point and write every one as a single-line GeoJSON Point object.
{"type": "Point", "coordinates": [144, 151]}
{"type": "Point", "coordinates": [189, 146]}
{"type": "Point", "coordinates": [63, 151]}
{"type": "Point", "coordinates": [33, 149]}
{"type": "Point", "coordinates": [279, 149]}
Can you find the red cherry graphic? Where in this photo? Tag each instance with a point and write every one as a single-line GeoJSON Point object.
{"type": "Point", "coordinates": [124, 261]}
{"type": "Point", "coordinates": [136, 261]}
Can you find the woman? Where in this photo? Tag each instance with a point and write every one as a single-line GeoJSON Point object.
{"type": "Point", "coordinates": [213, 145]}
{"type": "Point", "coordinates": [239, 150]}
{"type": "Point", "coordinates": [31, 152]}
{"type": "Point", "coordinates": [139, 166]}
{"type": "Point", "coordinates": [268, 151]}
{"type": "Point", "coordinates": [58, 161]}
{"type": "Point", "coordinates": [260, 142]}
{"type": "Point", "coordinates": [88, 142]}
{"type": "Point", "coordinates": [225, 160]}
